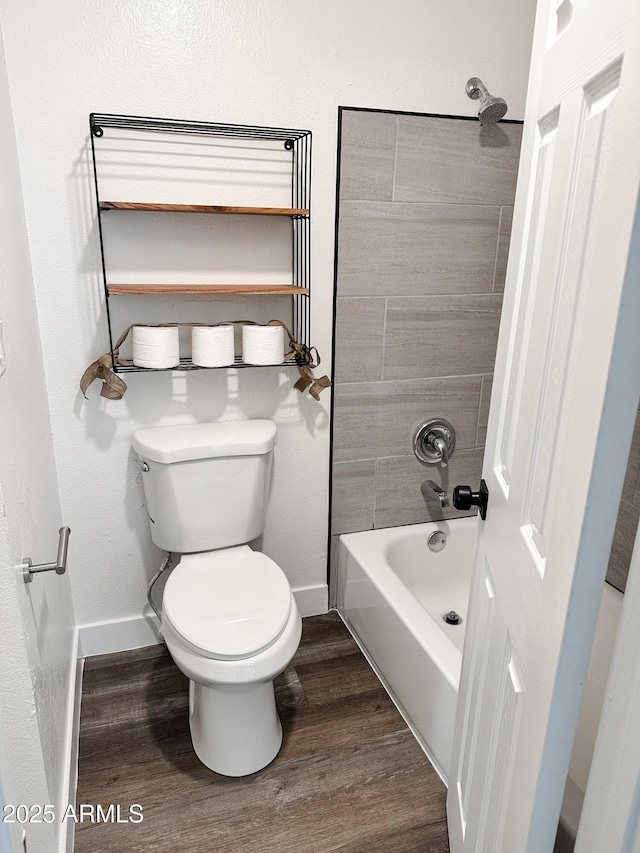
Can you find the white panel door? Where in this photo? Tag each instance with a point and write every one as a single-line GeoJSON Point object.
{"type": "Point", "coordinates": [611, 812]}
{"type": "Point", "coordinates": [565, 394]}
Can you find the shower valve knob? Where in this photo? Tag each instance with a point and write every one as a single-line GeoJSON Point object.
{"type": "Point", "coordinates": [434, 441]}
{"type": "Point", "coordinates": [464, 498]}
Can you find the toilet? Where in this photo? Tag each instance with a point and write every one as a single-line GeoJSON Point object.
{"type": "Point", "coordinates": [229, 617]}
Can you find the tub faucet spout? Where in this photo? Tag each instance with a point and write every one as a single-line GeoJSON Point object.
{"type": "Point", "coordinates": [432, 491]}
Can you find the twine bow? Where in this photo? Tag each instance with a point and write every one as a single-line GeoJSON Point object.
{"type": "Point", "coordinates": [303, 356]}
{"type": "Point", "coordinates": [113, 387]}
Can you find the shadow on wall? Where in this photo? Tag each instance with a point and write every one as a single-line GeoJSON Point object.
{"type": "Point", "coordinates": [493, 136]}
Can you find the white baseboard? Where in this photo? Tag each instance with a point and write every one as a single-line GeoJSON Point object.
{"type": "Point", "coordinates": [71, 744]}
{"type": "Point", "coordinates": [120, 635]}
{"type": "Point", "coordinates": [312, 600]}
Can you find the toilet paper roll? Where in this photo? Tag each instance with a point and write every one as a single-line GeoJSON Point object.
{"type": "Point", "coordinates": [212, 346]}
{"type": "Point", "coordinates": [262, 344]}
{"type": "Point", "coordinates": [156, 347]}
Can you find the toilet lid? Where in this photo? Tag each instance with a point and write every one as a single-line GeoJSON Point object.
{"type": "Point", "coordinates": [227, 604]}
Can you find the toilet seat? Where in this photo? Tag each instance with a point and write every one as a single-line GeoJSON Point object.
{"type": "Point", "coordinates": [228, 604]}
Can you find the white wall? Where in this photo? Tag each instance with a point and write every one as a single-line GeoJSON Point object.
{"type": "Point", "coordinates": [37, 655]}
{"type": "Point", "coordinates": [592, 702]}
{"type": "Point", "coordinates": [271, 62]}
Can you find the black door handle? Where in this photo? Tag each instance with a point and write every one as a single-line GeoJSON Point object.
{"type": "Point", "coordinates": [464, 498]}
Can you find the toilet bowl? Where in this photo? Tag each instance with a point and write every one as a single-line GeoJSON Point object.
{"type": "Point", "coordinates": [231, 625]}
{"type": "Point", "coordinates": [229, 617]}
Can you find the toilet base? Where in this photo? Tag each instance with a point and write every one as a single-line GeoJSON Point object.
{"type": "Point", "coordinates": [235, 729]}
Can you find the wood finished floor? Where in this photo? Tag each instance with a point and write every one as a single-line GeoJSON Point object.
{"type": "Point", "coordinates": [349, 777]}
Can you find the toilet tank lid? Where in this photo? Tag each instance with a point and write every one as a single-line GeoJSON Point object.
{"type": "Point", "coordinates": [205, 441]}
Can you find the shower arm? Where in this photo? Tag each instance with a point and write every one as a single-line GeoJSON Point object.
{"type": "Point", "coordinates": [475, 88]}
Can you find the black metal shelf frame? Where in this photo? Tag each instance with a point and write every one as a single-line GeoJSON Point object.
{"type": "Point", "coordinates": [187, 364]}
{"type": "Point", "coordinates": [298, 142]}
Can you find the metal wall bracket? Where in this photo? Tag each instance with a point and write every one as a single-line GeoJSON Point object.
{"type": "Point", "coordinates": [60, 565]}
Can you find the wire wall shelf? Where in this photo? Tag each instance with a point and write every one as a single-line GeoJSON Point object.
{"type": "Point", "coordinates": [106, 127]}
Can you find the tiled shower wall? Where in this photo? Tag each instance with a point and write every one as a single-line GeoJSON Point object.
{"type": "Point", "coordinates": [425, 208]}
{"type": "Point", "coordinates": [425, 211]}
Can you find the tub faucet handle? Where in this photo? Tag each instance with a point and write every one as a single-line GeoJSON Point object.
{"type": "Point", "coordinates": [440, 446]}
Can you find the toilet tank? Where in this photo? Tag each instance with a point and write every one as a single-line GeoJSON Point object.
{"type": "Point", "coordinates": [206, 485]}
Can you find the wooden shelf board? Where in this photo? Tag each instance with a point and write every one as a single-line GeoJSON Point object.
{"type": "Point", "coordinates": [204, 208]}
{"type": "Point", "coordinates": [210, 289]}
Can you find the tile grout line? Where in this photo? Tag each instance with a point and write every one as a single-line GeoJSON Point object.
{"type": "Point", "coordinates": [495, 262]}
{"type": "Point", "coordinates": [375, 492]}
{"type": "Point", "coordinates": [422, 295]}
{"type": "Point", "coordinates": [399, 382]}
{"type": "Point", "coordinates": [424, 203]}
{"type": "Point", "coordinates": [409, 456]}
{"type": "Point", "coordinates": [395, 164]}
{"type": "Point", "coordinates": [384, 338]}
{"type": "Point", "coordinates": [464, 295]}
{"type": "Point", "coordinates": [479, 408]}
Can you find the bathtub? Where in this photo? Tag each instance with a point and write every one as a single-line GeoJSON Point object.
{"type": "Point", "coordinates": [393, 592]}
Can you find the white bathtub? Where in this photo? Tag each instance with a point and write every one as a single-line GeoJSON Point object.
{"type": "Point", "coordinates": [393, 592]}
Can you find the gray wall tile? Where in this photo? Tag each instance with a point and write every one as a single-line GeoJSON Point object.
{"type": "Point", "coordinates": [353, 496]}
{"type": "Point", "coordinates": [368, 155]}
{"type": "Point", "coordinates": [455, 161]}
{"type": "Point", "coordinates": [483, 414]}
{"type": "Point", "coordinates": [628, 515]}
{"type": "Point", "coordinates": [359, 339]}
{"type": "Point", "coordinates": [379, 418]}
{"type": "Point", "coordinates": [441, 335]}
{"type": "Point", "coordinates": [631, 491]}
{"type": "Point", "coordinates": [502, 252]}
{"type": "Point", "coordinates": [411, 249]}
{"type": "Point", "coordinates": [622, 548]}
{"type": "Point", "coordinates": [398, 479]}
{"type": "Point", "coordinates": [434, 254]}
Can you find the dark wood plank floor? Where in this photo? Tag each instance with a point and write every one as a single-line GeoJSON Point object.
{"type": "Point", "coordinates": [350, 776]}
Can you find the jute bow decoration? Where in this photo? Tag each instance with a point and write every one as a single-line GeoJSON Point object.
{"type": "Point", "coordinates": [113, 387]}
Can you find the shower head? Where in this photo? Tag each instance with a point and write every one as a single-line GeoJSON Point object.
{"type": "Point", "coordinates": [491, 109]}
